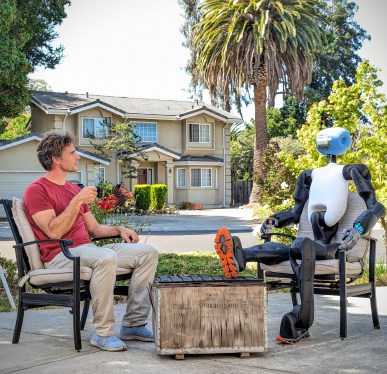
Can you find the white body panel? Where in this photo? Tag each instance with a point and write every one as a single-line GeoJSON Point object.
{"type": "Point", "coordinates": [328, 193]}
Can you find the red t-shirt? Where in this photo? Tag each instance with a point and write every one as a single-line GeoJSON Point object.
{"type": "Point", "coordinates": [44, 195]}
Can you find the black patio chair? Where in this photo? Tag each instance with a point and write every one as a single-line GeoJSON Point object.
{"type": "Point", "coordinates": [333, 277]}
{"type": "Point", "coordinates": [62, 287]}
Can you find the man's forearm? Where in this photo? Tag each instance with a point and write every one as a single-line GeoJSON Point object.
{"type": "Point", "coordinates": [101, 231]}
{"type": "Point", "coordinates": [61, 224]}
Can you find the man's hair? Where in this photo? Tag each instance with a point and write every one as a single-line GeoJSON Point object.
{"type": "Point", "coordinates": [52, 145]}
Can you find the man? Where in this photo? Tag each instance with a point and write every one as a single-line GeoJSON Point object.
{"type": "Point", "coordinates": [57, 209]}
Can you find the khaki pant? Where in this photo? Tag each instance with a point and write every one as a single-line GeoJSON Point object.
{"type": "Point", "coordinates": [141, 258]}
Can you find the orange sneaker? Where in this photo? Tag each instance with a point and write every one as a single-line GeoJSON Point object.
{"type": "Point", "coordinates": [224, 249]}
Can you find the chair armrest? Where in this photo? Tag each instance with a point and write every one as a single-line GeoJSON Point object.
{"type": "Point", "coordinates": [279, 234]}
{"type": "Point", "coordinates": [64, 244]}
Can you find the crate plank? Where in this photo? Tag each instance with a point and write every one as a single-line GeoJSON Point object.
{"type": "Point", "coordinates": [218, 316]}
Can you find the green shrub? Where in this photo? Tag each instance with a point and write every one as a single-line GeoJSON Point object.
{"type": "Point", "coordinates": [158, 194]}
{"type": "Point", "coordinates": [142, 194]}
{"type": "Point", "coordinates": [106, 189]}
{"type": "Point", "coordinates": [10, 272]}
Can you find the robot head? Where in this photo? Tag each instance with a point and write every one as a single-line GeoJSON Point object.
{"type": "Point", "coordinates": [333, 141]}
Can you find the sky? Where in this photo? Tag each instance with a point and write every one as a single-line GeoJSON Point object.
{"type": "Point", "coordinates": [134, 48]}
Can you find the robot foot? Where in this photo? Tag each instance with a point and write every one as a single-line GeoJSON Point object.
{"type": "Point", "coordinates": [289, 333]}
{"type": "Point", "coordinates": [224, 246]}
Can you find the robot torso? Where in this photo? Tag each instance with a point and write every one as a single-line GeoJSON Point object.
{"type": "Point", "coordinates": [328, 193]}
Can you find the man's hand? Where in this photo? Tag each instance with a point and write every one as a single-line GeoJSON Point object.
{"type": "Point", "coordinates": [86, 195]}
{"type": "Point", "coordinates": [349, 237]}
{"type": "Point", "coordinates": [128, 235]}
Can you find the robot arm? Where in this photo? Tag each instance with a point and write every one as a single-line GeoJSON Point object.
{"type": "Point", "coordinates": [301, 195]}
{"type": "Point", "coordinates": [365, 221]}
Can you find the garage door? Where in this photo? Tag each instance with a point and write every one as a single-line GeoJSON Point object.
{"type": "Point", "coordinates": [13, 184]}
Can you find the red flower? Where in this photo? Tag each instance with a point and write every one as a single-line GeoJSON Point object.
{"type": "Point", "coordinates": [108, 204]}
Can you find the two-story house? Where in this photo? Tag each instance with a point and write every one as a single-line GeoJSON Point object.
{"type": "Point", "coordinates": [187, 144]}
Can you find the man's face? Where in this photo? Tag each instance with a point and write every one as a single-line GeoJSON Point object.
{"type": "Point", "coordinates": [69, 159]}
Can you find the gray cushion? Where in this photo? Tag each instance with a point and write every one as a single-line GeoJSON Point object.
{"type": "Point", "coordinates": [355, 206]}
{"type": "Point", "coordinates": [323, 267]}
{"type": "Point", "coordinates": [40, 277]}
{"type": "Point", "coordinates": [26, 233]}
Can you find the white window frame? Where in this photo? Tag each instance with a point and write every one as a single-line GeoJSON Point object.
{"type": "Point", "coordinates": [178, 170]}
{"type": "Point", "coordinates": [201, 178]}
{"type": "Point", "coordinates": [201, 127]}
{"type": "Point", "coordinates": [146, 123]}
{"type": "Point", "coordinates": [97, 172]}
{"type": "Point", "coordinates": [108, 122]}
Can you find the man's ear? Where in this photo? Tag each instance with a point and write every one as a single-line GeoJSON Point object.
{"type": "Point", "coordinates": [55, 160]}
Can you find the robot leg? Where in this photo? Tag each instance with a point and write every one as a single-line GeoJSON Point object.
{"type": "Point", "coordinates": [295, 324]}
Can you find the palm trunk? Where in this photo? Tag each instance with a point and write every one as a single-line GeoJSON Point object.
{"type": "Point", "coordinates": [261, 139]}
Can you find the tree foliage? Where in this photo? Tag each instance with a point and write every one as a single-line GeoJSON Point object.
{"type": "Point", "coordinates": [26, 35]}
{"type": "Point", "coordinates": [15, 127]}
{"type": "Point", "coordinates": [284, 121]}
{"type": "Point", "coordinates": [336, 58]}
{"type": "Point", "coordinates": [247, 43]}
{"type": "Point", "coordinates": [362, 110]}
{"type": "Point", "coordinates": [242, 152]}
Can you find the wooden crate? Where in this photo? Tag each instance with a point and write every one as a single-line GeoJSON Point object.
{"type": "Point", "coordinates": [202, 314]}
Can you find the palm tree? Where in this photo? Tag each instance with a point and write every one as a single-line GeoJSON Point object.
{"type": "Point", "coordinates": [240, 43]}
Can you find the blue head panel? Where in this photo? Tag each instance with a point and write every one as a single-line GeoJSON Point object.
{"type": "Point", "coordinates": [333, 141]}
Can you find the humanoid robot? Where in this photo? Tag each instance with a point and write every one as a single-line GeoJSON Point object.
{"type": "Point", "coordinates": [326, 188]}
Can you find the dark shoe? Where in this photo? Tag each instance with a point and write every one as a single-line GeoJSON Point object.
{"type": "Point", "coordinates": [224, 249]}
{"type": "Point", "coordinates": [136, 333]}
{"type": "Point", "coordinates": [108, 343]}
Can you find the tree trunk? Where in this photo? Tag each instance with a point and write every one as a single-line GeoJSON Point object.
{"type": "Point", "coordinates": [260, 142]}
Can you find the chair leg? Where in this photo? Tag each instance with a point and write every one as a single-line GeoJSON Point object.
{"type": "Point", "coordinates": [85, 312]}
{"type": "Point", "coordinates": [19, 320]}
{"type": "Point", "coordinates": [77, 326]}
{"type": "Point", "coordinates": [343, 295]}
{"type": "Point", "coordinates": [374, 309]}
{"type": "Point", "coordinates": [371, 274]}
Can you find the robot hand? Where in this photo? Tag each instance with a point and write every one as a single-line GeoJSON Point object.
{"type": "Point", "coordinates": [267, 227]}
{"type": "Point", "coordinates": [349, 238]}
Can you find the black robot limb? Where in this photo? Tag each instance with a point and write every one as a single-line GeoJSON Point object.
{"type": "Point", "coordinates": [295, 324]}
{"type": "Point", "coordinates": [301, 195]}
{"type": "Point", "coordinates": [360, 175]}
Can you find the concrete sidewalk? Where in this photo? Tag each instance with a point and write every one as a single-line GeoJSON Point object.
{"type": "Point", "coordinates": [46, 345]}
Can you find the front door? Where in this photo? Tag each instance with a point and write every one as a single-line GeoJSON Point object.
{"type": "Point", "coordinates": [144, 176]}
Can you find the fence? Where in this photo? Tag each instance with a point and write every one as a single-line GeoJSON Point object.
{"type": "Point", "coordinates": [241, 192]}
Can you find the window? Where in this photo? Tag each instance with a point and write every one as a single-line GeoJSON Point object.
{"type": "Point", "coordinates": [199, 133]}
{"type": "Point", "coordinates": [96, 128]}
{"type": "Point", "coordinates": [146, 130]}
{"type": "Point", "coordinates": [181, 178]}
{"type": "Point", "coordinates": [201, 178]}
{"type": "Point", "coordinates": [99, 175]}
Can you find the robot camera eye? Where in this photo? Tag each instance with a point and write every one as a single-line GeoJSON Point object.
{"type": "Point", "coordinates": [323, 141]}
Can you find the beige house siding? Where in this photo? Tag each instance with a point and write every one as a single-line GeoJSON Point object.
{"type": "Point", "coordinates": [26, 160]}
{"type": "Point", "coordinates": [172, 148]}
{"type": "Point", "coordinates": [40, 121]}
